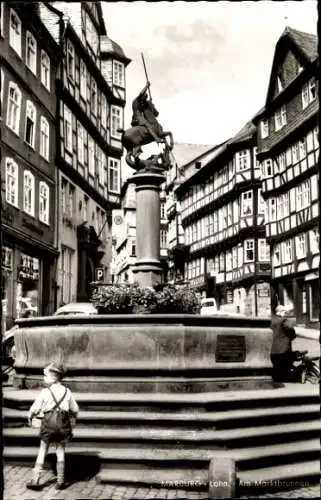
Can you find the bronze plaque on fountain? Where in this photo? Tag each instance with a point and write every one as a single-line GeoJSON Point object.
{"type": "Point", "coordinates": [230, 349]}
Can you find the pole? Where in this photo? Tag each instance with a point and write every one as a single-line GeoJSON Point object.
{"type": "Point", "coordinates": [143, 59]}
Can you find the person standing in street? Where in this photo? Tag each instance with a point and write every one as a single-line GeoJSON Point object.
{"type": "Point", "coordinates": [282, 325]}
{"type": "Point", "coordinates": [56, 407]}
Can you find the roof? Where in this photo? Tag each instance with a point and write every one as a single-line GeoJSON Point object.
{"type": "Point", "coordinates": [244, 134]}
{"type": "Point", "coordinates": [184, 152]}
{"type": "Point", "coordinates": [108, 46]}
{"type": "Point", "coordinates": [307, 42]}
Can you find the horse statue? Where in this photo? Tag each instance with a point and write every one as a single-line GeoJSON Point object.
{"type": "Point", "coordinates": [144, 128]}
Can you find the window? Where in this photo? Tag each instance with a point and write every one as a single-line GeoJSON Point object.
{"type": "Point", "coordinates": [260, 202]}
{"type": "Point", "coordinates": [100, 169]}
{"type": "Point", "coordinates": [1, 88]}
{"type": "Point", "coordinates": [66, 257]}
{"type": "Point", "coordinates": [133, 248]}
{"type": "Point", "coordinates": [301, 246]}
{"type": "Point", "coordinates": [282, 162]}
{"type": "Point", "coordinates": [118, 74]}
{"type": "Point", "coordinates": [287, 251]}
{"type": "Point", "coordinates": [15, 32]}
{"type": "Point", "coordinates": [29, 193]}
{"type": "Point", "coordinates": [316, 136]}
{"type": "Point", "coordinates": [264, 251]}
{"type": "Point", "coordinates": [83, 80]}
{"type": "Point", "coordinates": [93, 97]}
{"type": "Point", "coordinates": [308, 92]}
{"type": "Point", "coordinates": [288, 157]}
{"type": "Point", "coordinates": [85, 212]}
{"type": "Point", "coordinates": [272, 209]}
{"type": "Point", "coordinates": [276, 257]}
{"type": "Point", "coordinates": [44, 138]}
{"type": "Point", "coordinates": [91, 156]}
{"type": "Point", "coordinates": [243, 160]}
{"type": "Point", "coordinates": [295, 152]}
{"type": "Point", "coordinates": [247, 204]}
{"type": "Point", "coordinates": [114, 175]}
{"type": "Point", "coordinates": [116, 121]}
{"type": "Point", "coordinates": [264, 128]}
{"type": "Point", "coordinates": [31, 52]}
{"type": "Point", "coordinates": [67, 129]}
{"type": "Point", "coordinates": [45, 70]}
{"type": "Point", "coordinates": [80, 143]}
{"type": "Point", "coordinates": [222, 262]}
{"type": "Point", "coordinates": [302, 149]}
{"type": "Point", "coordinates": [315, 240]}
{"type": "Point", "coordinates": [103, 115]}
{"type": "Point", "coordinates": [267, 169]}
{"type": "Point", "coordinates": [14, 107]}
{"type": "Point", "coordinates": [12, 182]}
{"type": "Point", "coordinates": [30, 127]}
{"type": "Point", "coordinates": [280, 118]}
{"type": "Point", "coordinates": [249, 251]}
{"type": "Point", "coordinates": [234, 257]}
{"type": "Point", "coordinates": [44, 202]}
{"type": "Point", "coordinates": [283, 205]}
{"type": "Point", "coordinates": [70, 60]}
{"type": "Point", "coordinates": [240, 256]}
{"type": "Point", "coordinates": [303, 195]}
{"type": "Point", "coordinates": [1, 19]}
{"type": "Point", "coordinates": [163, 238]}
{"type": "Point", "coordinates": [162, 209]}
{"type": "Point", "coordinates": [228, 261]}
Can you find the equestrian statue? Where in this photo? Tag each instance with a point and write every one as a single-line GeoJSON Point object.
{"type": "Point", "coordinates": [144, 130]}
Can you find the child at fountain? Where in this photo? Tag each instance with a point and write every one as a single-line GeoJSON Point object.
{"type": "Point", "coordinates": [56, 406]}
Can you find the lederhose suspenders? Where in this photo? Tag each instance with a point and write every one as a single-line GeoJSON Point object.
{"type": "Point", "coordinates": [57, 402]}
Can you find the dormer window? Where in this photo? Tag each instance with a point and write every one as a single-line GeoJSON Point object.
{"type": "Point", "coordinates": [264, 128]}
{"type": "Point", "coordinates": [70, 60]}
{"type": "Point", "coordinates": [279, 84]}
{"type": "Point", "coordinates": [118, 74]}
{"type": "Point", "coordinates": [308, 93]}
{"type": "Point", "coordinates": [280, 118]}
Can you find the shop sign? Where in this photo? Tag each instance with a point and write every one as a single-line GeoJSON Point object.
{"type": "Point", "coordinates": [29, 268]}
{"type": "Point", "coordinates": [99, 273]}
{"type": "Point", "coordinates": [6, 262]}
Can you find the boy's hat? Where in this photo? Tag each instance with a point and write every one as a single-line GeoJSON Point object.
{"type": "Point", "coordinates": [56, 368]}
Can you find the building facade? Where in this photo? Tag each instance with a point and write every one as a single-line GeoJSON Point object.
{"type": "Point", "coordinates": [29, 61]}
{"type": "Point", "coordinates": [184, 158]}
{"type": "Point", "coordinates": [222, 213]}
{"type": "Point", "coordinates": [288, 149]}
{"type": "Point", "coordinates": [90, 110]}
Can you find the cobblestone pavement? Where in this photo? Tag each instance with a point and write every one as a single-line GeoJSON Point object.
{"type": "Point", "coordinates": [16, 477]}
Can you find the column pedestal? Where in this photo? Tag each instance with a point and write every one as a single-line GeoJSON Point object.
{"type": "Point", "coordinates": [148, 269]}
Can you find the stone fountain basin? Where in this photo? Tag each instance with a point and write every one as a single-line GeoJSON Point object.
{"type": "Point", "coordinates": [146, 353]}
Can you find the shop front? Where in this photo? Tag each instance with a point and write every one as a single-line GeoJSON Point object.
{"type": "Point", "coordinates": [24, 290]}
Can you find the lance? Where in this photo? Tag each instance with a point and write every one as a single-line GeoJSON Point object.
{"type": "Point", "coordinates": [143, 59]}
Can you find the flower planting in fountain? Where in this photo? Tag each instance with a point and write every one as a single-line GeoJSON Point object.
{"type": "Point", "coordinates": [134, 299]}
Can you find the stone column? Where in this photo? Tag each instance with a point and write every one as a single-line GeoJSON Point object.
{"type": "Point", "coordinates": [148, 269]}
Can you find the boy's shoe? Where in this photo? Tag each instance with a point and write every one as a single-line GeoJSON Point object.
{"type": "Point", "coordinates": [33, 485]}
{"type": "Point", "coordinates": [60, 486]}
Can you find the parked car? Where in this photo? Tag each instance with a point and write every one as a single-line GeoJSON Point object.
{"type": "Point", "coordinates": [77, 308]}
{"type": "Point", "coordinates": [229, 310]}
{"type": "Point", "coordinates": [208, 307]}
{"type": "Point", "coordinates": [8, 346]}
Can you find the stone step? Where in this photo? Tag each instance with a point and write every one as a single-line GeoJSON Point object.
{"type": "Point", "coordinates": [220, 419]}
{"type": "Point", "coordinates": [186, 477]}
{"type": "Point", "coordinates": [271, 433]}
{"type": "Point", "coordinates": [287, 395]}
{"type": "Point", "coordinates": [153, 453]}
{"type": "Point", "coordinates": [281, 472]}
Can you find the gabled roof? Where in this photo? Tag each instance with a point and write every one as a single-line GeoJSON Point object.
{"type": "Point", "coordinates": [244, 134]}
{"type": "Point", "coordinates": [305, 43]}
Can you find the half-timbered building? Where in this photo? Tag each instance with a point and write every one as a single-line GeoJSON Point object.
{"type": "Point", "coordinates": [29, 60]}
{"type": "Point", "coordinates": [288, 149]}
{"type": "Point", "coordinates": [222, 213]}
{"type": "Point", "coordinates": [90, 112]}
